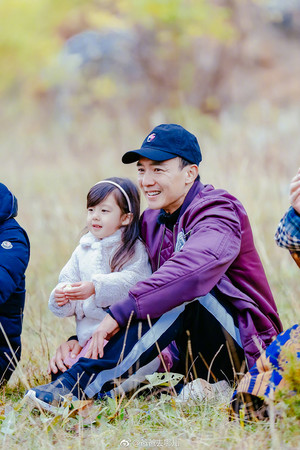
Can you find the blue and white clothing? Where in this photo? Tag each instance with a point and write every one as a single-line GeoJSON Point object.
{"type": "Point", "coordinates": [288, 231]}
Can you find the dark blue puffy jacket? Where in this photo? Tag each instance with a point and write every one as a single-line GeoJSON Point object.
{"type": "Point", "coordinates": [14, 257]}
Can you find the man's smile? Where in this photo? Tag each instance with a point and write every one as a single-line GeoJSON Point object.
{"type": "Point", "coordinates": [152, 193]}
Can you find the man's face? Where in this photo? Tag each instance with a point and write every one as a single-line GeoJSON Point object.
{"type": "Point", "coordinates": [163, 183]}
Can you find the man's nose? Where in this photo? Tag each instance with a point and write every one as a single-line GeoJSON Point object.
{"type": "Point", "coordinates": [147, 178]}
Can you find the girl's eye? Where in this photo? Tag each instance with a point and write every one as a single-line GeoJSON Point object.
{"type": "Point", "coordinates": [104, 210]}
{"type": "Point", "coordinates": [157, 169]}
{"type": "Point", "coordinates": [90, 209]}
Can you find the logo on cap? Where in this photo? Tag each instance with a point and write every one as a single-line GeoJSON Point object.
{"type": "Point", "coordinates": [151, 137]}
{"type": "Point", "coordinates": [7, 245]}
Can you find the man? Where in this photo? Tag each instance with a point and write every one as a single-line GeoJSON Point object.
{"type": "Point", "coordinates": [14, 257]}
{"type": "Point", "coordinates": [267, 377]}
{"type": "Point", "coordinates": [288, 231]}
{"type": "Point", "coordinates": [208, 291]}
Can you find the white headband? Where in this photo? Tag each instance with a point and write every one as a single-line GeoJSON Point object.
{"type": "Point", "coordinates": [121, 189]}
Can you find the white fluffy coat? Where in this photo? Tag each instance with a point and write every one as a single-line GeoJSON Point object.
{"type": "Point", "coordinates": [90, 262]}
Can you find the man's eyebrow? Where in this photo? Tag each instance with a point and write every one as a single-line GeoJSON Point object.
{"type": "Point", "coordinates": [152, 163]}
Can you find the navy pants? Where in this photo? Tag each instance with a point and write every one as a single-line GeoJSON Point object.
{"type": "Point", "coordinates": [206, 350]}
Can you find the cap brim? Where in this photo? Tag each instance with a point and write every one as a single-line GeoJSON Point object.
{"type": "Point", "coordinates": [150, 153]}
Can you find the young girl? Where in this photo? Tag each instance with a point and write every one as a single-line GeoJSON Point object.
{"type": "Point", "coordinates": [108, 261]}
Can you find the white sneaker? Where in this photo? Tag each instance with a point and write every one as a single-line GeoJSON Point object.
{"type": "Point", "coordinates": [200, 389]}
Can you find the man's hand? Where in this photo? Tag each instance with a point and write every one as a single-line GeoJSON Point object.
{"type": "Point", "coordinates": [295, 192]}
{"type": "Point", "coordinates": [80, 291]}
{"type": "Point", "coordinates": [56, 363]}
{"type": "Point", "coordinates": [106, 330]}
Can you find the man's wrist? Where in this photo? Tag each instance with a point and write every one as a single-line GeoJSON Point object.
{"type": "Point", "coordinates": [108, 311]}
{"type": "Point", "coordinates": [123, 310]}
{"type": "Point", "coordinates": [292, 212]}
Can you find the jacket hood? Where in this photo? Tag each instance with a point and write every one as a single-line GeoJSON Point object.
{"type": "Point", "coordinates": [8, 204]}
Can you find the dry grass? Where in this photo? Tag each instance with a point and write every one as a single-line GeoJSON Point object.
{"type": "Point", "coordinates": [50, 168]}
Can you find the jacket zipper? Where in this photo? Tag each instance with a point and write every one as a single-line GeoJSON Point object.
{"type": "Point", "coordinates": [162, 241]}
{"type": "Point", "coordinates": [174, 240]}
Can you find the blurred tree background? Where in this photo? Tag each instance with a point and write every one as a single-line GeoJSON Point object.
{"type": "Point", "coordinates": [83, 81]}
{"type": "Point", "coordinates": [142, 62]}
{"type": "Point", "coordinates": [149, 56]}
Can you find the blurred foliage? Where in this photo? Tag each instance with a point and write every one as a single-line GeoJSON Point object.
{"type": "Point", "coordinates": [29, 35]}
{"type": "Point", "coordinates": [33, 31]}
{"type": "Point", "coordinates": [145, 57]}
{"type": "Point", "coordinates": [289, 396]}
{"type": "Point", "coordinates": [180, 18]}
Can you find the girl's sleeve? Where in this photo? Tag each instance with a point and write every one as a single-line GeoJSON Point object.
{"type": "Point", "coordinates": [112, 287]}
{"type": "Point", "coordinates": [69, 274]}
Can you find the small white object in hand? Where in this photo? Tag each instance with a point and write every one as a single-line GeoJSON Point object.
{"type": "Point", "coordinates": [67, 287]}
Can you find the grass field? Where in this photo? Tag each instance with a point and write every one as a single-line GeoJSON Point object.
{"type": "Point", "coordinates": [50, 168]}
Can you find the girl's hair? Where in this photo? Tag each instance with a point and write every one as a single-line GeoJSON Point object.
{"type": "Point", "coordinates": [130, 233]}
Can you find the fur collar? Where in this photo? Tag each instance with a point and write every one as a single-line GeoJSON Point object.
{"type": "Point", "coordinates": [89, 240]}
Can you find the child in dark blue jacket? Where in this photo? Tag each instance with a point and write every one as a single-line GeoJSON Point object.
{"type": "Point", "coordinates": [14, 257]}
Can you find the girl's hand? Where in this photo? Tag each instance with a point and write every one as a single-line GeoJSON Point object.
{"type": "Point", "coordinates": [295, 192]}
{"type": "Point", "coordinates": [106, 330]}
{"type": "Point", "coordinates": [80, 291]}
{"type": "Point", "coordinates": [60, 297]}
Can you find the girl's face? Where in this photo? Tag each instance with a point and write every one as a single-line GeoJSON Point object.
{"type": "Point", "coordinates": [105, 218]}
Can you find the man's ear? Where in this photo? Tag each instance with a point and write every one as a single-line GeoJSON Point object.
{"type": "Point", "coordinates": [192, 171]}
{"type": "Point", "coordinates": [127, 219]}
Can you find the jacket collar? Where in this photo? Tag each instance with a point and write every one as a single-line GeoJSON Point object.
{"type": "Point", "coordinates": [169, 220]}
{"type": "Point", "coordinates": [89, 240]}
{"type": "Point", "coordinates": [194, 190]}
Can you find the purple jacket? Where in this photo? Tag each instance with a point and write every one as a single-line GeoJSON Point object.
{"type": "Point", "coordinates": [219, 251]}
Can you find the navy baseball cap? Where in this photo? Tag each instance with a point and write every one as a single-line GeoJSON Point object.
{"type": "Point", "coordinates": [167, 141]}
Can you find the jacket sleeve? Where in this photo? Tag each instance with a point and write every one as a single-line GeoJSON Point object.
{"type": "Point", "coordinates": [69, 274]}
{"type": "Point", "coordinates": [112, 287]}
{"type": "Point", "coordinates": [212, 245]}
{"type": "Point", "coordinates": [288, 231]}
{"type": "Point", "coordinates": [14, 257]}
